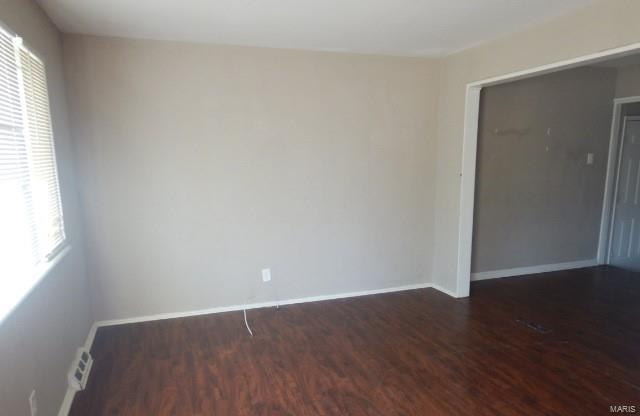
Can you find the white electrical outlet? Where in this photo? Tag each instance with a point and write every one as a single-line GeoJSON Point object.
{"type": "Point", "coordinates": [33, 403]}
{"type": "Point", "coordinates": [590, 158]}
{"type": "Point", "coordinates": [266, 275]}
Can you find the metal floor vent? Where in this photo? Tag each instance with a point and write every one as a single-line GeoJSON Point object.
{"type": "Point", "coordinates": [533, 325]}
{"type": "Point", "coordinates": [80, 368]}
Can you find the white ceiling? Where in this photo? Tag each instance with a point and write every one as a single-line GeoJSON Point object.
{"type": "Point", "coordinates": [393, 27]}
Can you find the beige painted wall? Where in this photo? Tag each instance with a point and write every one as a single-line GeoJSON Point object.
{"type": "Point", "coordinates": [326, 167]}
{"type": "Point", "coordinates": [602, 25]}
{"type": "Point", "coordinates": [203, 164]}
{"type": "Point", "coordinates": [38, 340]}
{"type": "Point", "coordinates": [537, 201]}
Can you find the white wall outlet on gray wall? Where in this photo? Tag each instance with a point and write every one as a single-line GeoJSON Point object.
{"type": "Point", "coordinates": [590, 158]}
{"type": "Point", "coordinates": [266, 275]}
{"type": "Point", "coordinates": [33, 403]}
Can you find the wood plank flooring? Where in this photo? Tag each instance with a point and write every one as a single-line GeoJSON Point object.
{"type": "Point", "coordinates": [562, 343]}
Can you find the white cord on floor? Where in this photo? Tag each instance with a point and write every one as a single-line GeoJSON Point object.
{"type": "Point", "coordinates": [247, 323]}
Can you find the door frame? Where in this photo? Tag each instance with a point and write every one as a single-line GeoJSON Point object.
{"type": "Point", "coordinates": [616, 147]}
{"type": "Point", "coordinates": [470, 145]}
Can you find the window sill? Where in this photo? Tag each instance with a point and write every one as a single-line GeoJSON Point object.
{"type": "Point", "coordinates": [10, 299]}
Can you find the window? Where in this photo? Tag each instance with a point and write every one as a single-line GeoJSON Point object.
{"type": "Point", "coordinates": [31, 226]}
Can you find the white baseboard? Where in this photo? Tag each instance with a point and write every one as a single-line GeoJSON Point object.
{"type": "Point", "coordinates": [66, 402]}
{"type": "Point", "coordinates": [65, 407]}
{"type": "Point", "coordinates": [445, 291]}
{"type": "Point", "coordinates": [68, 398]}
{"type": "Point", "coordinates": [269, 304]}
{"type": "Point", "coordinates": [519, 271]}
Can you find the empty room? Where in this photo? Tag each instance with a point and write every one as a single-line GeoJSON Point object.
{"type": "Point", "coordinates": [319, 208]}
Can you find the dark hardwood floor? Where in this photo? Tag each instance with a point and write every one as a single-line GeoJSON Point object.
{"type": "Point", "coordinates": [563, 343]}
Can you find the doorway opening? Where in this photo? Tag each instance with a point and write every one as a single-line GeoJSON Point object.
{"type": "Point", "coordinates": [470, 149]}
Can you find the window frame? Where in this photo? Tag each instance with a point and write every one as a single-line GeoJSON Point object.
{"type": "Point", "coordinates": [39, 271]}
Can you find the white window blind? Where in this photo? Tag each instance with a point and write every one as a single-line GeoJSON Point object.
{"type": "Point", "coordinates": [31, 225]}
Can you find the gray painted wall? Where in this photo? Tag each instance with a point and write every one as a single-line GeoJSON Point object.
{"type": "Point", "coordinates": [537, 201]}
{"type": "Point", "coordinates": [628, 82]}
{"type": "Point", "coordinates": [203, 164]}
{"type": "Point", "coordinates": [630, 109]}
{"type": "Point", "coordinates": [38, 340]}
